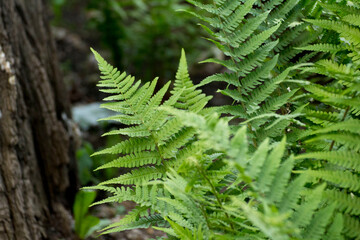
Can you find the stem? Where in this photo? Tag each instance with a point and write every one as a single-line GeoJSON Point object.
{"type": "Point", "coordinates": [205, 215]}
{"type": "Point", "coordinates": [216, 195]}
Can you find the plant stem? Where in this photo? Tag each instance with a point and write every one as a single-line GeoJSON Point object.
{"type": "Point", "coordinates": [216, 195]}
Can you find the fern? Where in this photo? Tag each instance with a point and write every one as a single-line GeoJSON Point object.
{"type": "Point", "coordinates": [191, 179]}
{"type": "Point", "coordinates": [254, 36]}
{"type": "Point", "coordinates": [337, 128]}
{"type": "Point", "coordinates": [265, 176]}
{"type": "Point", "coordinates": [154, 136]}
{"type": "Point", "coordinates": [196, 173]}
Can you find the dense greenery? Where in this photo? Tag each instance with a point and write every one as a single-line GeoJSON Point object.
{"type": "Point", "coordinates": [280, 162]}
{"type": "Point", "coordinates": [146, 34]}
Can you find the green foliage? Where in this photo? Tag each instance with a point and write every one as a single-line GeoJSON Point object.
{"type": "Point", "coordinates": [240, 194]}
{"type": "Point", "coordinates": [57, 6]}
{"type": "Point", "coordinates": [232, 172]}
{"type": "Point", "coordinates": [84, 222]}
{"type": "Point", "coordinates": [334, 137]}
{"type": "Point", "coordinates": [258, 40]}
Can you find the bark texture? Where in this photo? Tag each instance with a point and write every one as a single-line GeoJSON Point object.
{"type": "Point", "coordinates": [35, 130]}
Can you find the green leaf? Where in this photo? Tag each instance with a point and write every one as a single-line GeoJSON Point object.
{"type": "Point", "coordinates": [83, 199]}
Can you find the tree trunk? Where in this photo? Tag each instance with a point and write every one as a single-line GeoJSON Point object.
{"type": "Point", "coordinates": [37, 173]}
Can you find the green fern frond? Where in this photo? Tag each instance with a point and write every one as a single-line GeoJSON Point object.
{"type": "Point", "coordinates": [179, 219]}
{"type": "Point", "coordinates": [270, 167]}
{"type": "Point", "coordinates": [346, 159]}
{"type": "Point", "coordinates": [322, 117]}
{"type": "Point", "coordinates": [340, 8]}
{"type": "Point", "coordinates": [132, 145]}
{"type": "Point", "coordinates": [134, 160]}
{"type": "Point", "coordinates": [348, 140]}
{"type": "Point", "coordinates": [182, 233]}
{"type": "Point", "coordinates": [137, 176]}
{"type": "Point", "coordinates": [288, 37]}
{"type": "Point", "coordinates": [255, 42]}
{"type": "Point", "coordinates": [352, 19]}
{"type": "Point", "coordinates": [304, 214]}
{"type": "Point", "coordinates": [120, 195]}
{"type": "Point", "coordinates": [236, 37]}
{"type": "Point", "coordinates": [292, 194]}
{"type": "Point", "coordinates": [267, 224]}
{"type": "Point", "coordinates": [143, 222]}
{"type": "Point", "coordinates": [190, 98]}
{"type": "Point", "coordinates": [279, 13]}
{"type": "Point", "coordinates": [343, 179]}
{"type": "Point", "coordinates": [317, 226]}
{"type": "Point", "coordinates": [352, 226]}
{"type": "Point", "coordinates": [347, 203]}
{"type": "Point", "coordinates": [250, 36]}
{"type": "Point", "coordinates": [324, 47]}
{"type": "Point", "coordinates": [351, 34]}
{"type": "Point", "coordinates": [280, 181]}
{"type": "Point", "coordinates": [258, 160]}
{"type": "Point", "coordinates": [351, 125]}
{"type": "Point", "coordinates": [334, 232]}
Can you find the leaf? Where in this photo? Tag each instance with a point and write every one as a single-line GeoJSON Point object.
{"type": "Point", "coordinates": [83, 199]}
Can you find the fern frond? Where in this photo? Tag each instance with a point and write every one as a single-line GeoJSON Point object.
{"type": "Point", "coordinates": [238, 36]}
{"type": "Point", "coordinates": [143, 222]}
{"type": "Point", "coordinates": [317, 226]}
{"type": "Point", "coordinates": [258, 160]}
{"type": "Point", "coordinates": [134, 160]}
{"type": "Point", "coordinates": [280, 12]}
{"type": "Point", "coordinates": [230, 23]}
{"type": "Point", "coordinates": [348, 140]}
{"type": "Point", "coordinates": [340, 8]}
{"type": "Point", "coordinates": [348, 203]}
{"type": "Point", "coordinates": [270, 167]}
{"type": "Point", "coordinates": [277, 187]}
{"type": "Point", "coordinates": [292, 194]}
{"type": "Point", "coordinates": [304, 214]}
{"type": "Point", "coordinates": [352, 19]}
{"type": "Point", "coordinates": [334, 232]}
{"type": "Point", "coordinates": [137, 176]}
{"type": "Point", "coordinates": [182, 233]}
{"type": "Point", "coordinates": [190, 98]}
{"type": "Point", "coordinates": [352, 226]}
{"type": "Point", "coordinates": [351, 34]}
{"type": "Point", "coordinates": [254, 43]}
{"type": "Point", "coordinates": [266, 224]}
{"type": "Point", "coordinates": [196, 177]}
{"type": "Point", "coordinates": [344, 179]}
{"type": "Point", "coordinates": [324, 47]}
{"type": "Point", "coordinates": [347, 159]}
{"type": "Point", "coordinates": [132, 145]}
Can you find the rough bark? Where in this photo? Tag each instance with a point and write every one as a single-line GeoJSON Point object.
{"type": "Point", "coordinates": [35, 130]}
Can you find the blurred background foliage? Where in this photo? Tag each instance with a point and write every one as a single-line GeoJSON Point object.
{"type": "Point", "coordinates": [141, 36]}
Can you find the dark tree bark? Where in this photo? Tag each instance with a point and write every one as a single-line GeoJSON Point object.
{"type": "Point", "coordinates": [37, 173]}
